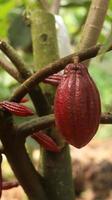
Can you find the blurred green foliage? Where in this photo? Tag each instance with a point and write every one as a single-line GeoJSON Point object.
{"type": "Point", "coordinates": [7, 85]}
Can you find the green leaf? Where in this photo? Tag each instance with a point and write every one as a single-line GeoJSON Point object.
{"type": "Point", "coordinates": [5, 8]}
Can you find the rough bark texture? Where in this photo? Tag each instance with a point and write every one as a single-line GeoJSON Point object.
{"type": "Point", "coordinates": [55, 168]}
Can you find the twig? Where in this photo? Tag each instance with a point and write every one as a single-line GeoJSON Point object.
{"type": "Point", "coordinates": [106, 118]}
{"type": "Point", "coordinates": [53, 68]}
{"type": "Point", "coordinates": [34, 125]}
{"type": "Point", "coordinates": [10, 69]}
{"type": "Point", "coordinates": [16, 60]}
{"type": "Point", "coordinates": [38, 98]}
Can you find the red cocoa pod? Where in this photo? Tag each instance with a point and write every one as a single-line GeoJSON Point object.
{"type": "Point", "coordinates": [6, 185]}
{"type": "Point", "coordinates": [24, 100]}
{"type": "Point", "coordinates": [77, 106]}
{"type": "Point", "coordinates": [53, 79]}
{"type": "Point", "coordinates": [16, 108]}
{"type": "Point", "coordinates": [46, 141]}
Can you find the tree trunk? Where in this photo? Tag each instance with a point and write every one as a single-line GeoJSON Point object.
{"type": "Point", "coordinates": [55, 167]}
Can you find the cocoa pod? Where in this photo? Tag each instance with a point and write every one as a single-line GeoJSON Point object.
{"type": "Point", "coordinates": [24, 100]}
{"type": "Point", "coordinates": [6, 185]}
{"type": "Point", "coordinates": [77, 106]}
{"type": "Point", "coordinates": [46, 141]}
{"type": "Point", "coordinates": [16, 108]}
{"type": "Point", "coordinates": [53, 79]}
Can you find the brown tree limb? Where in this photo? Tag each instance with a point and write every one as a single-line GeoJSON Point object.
{"type": "Point", "coordinates": [38, 98]}
{"type": "Point", "coordinates": [15, 59]}
{"type": "Point", "coordinates": [94, 22]}
{"type": "Point", "coordinates": [16, 160]}
{"type": "Point", "coordinates": [53, 68]}
{"type": "Point", "coordinates": [93, 25]}
{"type": "Point", "coordinates": [19, 160]}
{"type": "Point", "coordinates": [10, 69]}
{"type": "Point", "coordinates": [28, 128]}
{"type": "Point", "coordinates": [34, 125]}
{"type": "Point", "coordinates": [36, 94]}
{"type": "Point", "coordinates": [106, 118]}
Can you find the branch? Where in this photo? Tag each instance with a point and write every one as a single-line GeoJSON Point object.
{"type": "Point", "coordinates": [53, 68]}
{"type": "Point", "coordinates": [93, 25]}
{"type": "Point", "coordinates": [106, 118]}
{"type": "Point", "coordinates": [19, 160]}
{"type": "Point", "coordinates": [28, 128]}
{"type": "Point", "coordinates": [94, 22]}
{"type": "Point", "coordinates": [16, 60]}
{"type": "Point", "coordinates": [34, 125]}
{"type": "Point", "coordinates": [10, 69]}
{"type": "Point", "coordinates": [38, 98]}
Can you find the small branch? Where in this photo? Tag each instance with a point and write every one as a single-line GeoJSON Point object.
{"type": "Point", "coordinates": [15, 59]}
{"type": "Point", "coordinates": [94, 22]}
{"type": "Point", "coordinates": [34, 125]}
{"type": "Point", "coordinates": [55, 7]}
{"type": "Point", "coordinates": [106, 118]}
{"type": "Point", "coordinates": [38, 98]}
{"type": "Point", "coordinates": [53, 68]}
{"type": "Point", "coordinates": [18, 158]}
{"type": "Point", "coordinates": [10, 69]}
{"type": "Point", "coordinates": [28, 128]}
{"type": "Point", "coordinates": [93, 25]}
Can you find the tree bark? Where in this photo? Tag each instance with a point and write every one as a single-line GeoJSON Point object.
{"type": "Point", "coordinates": [55, 167]}
{"type": "Point", "coordinates": [19, 161]}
